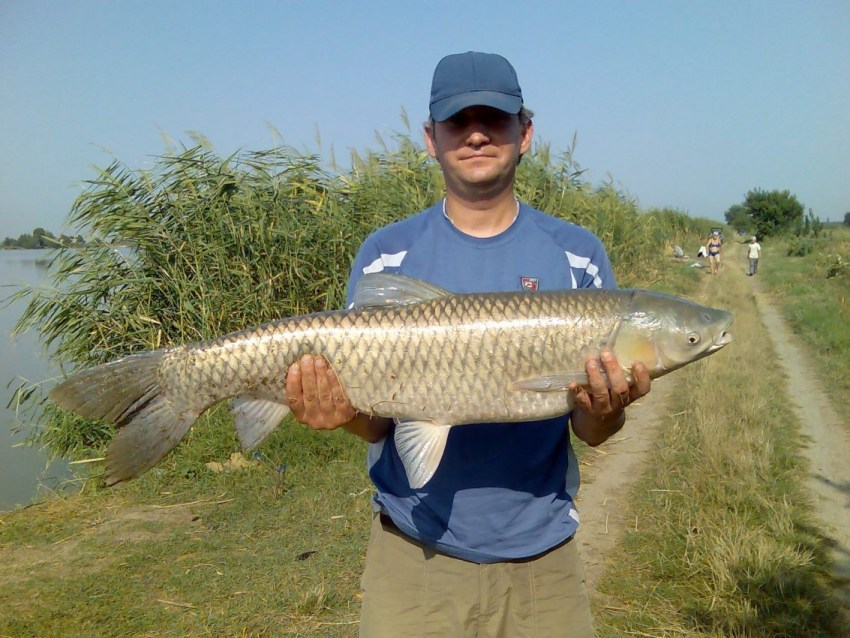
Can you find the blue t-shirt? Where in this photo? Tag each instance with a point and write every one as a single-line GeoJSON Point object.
{"type": "Point", "coordinates": [502, 490]}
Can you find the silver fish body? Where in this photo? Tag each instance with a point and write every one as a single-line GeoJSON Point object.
{"type": "Point", "coordinates": [406, 350]}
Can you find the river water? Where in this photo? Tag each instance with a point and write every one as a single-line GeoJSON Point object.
{"type": "Point", "coordinates": [24, 471]}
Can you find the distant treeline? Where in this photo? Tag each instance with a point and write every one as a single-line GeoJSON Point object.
{"type": "Point", "coordinates": [40, 238]}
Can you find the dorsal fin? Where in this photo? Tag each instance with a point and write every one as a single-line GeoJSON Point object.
{"type": "Point", "coordinates": [385, 289]}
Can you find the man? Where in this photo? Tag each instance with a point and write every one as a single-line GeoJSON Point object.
{"type": "Point", "coordinates": [484, 548]}
{"type": "Point", "coordinates": [753, 254]}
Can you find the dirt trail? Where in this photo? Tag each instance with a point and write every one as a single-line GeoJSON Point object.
{"type": "Point", "coordinates": [828, 448]}
{"type": "Point", "coordinates": [609, 471]}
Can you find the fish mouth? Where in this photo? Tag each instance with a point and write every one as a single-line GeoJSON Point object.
{"type": "Point", "coordinates": [723, 339]}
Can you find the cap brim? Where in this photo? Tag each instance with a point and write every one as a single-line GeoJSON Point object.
{"type": "Point", "coordinates": [447, 107]}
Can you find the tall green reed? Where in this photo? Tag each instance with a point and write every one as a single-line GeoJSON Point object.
{"type": "Point", "coordinates": [200, 245]}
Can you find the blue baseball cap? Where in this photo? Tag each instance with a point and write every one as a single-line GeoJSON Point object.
{"type": "Point", "coordinates": [474, 79]}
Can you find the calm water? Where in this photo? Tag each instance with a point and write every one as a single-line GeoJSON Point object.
{"type": "Point", "coordinates": [24, 472]}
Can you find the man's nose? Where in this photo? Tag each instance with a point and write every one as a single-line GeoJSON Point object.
{"type": "Point", "coordinates": [478, 135]}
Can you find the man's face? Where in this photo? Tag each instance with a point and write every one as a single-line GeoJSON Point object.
{"type": "Point", "coordinates": [478, 149]}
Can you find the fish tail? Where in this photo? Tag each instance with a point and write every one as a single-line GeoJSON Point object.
{"type": "Point", "coordinates": [127, 392]}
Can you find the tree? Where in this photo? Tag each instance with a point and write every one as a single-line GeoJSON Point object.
{"type": "Point", "coordinates": [27, 241]}
{"type": "Point", "coordinates": [773, 212]}
{"type": "Point", "coordinates": [847, 219]}
{"type": "Point", "coordinates": [738, 217]}
{"type": "Point", "coordinates": [42, 238]}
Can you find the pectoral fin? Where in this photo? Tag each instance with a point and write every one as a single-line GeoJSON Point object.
{"type": "Point", "coordinates": [549, 382]}
{"type": "Point", "coordinates": [255, 419]}
{"type": "Point", "coordinates": [420, 445]}
{"type": "Point", "coordinates": [559, 382]}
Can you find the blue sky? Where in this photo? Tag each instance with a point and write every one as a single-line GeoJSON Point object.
{"type": "Point", "coordinates": [683, 104]}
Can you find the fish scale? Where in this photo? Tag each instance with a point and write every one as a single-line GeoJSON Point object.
{"type": "Point", "coordinates": [407, 350]}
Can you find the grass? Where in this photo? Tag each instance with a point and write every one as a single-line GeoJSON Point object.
{"type": "Point", "coordinates": [726, 544]}
{"type": "Point", "coordinates": [187, 551]}
{"type": "Point", "coordinates": [724, 547]}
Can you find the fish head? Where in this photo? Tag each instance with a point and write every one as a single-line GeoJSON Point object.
{"type": "Point", "coordinates": [665, 332]}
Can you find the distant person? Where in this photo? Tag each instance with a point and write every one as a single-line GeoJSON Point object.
{"type": "Point", "coordinates": [753, 253]}
{"type": "Point", "coordinates": [713, 246]}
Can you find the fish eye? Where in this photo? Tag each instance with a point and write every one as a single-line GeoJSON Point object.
{"type": "Point", "coordinates": [693, 338]}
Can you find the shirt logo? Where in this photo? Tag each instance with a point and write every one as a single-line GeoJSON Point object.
{"type": "Point", "coordinates": [529, 283]}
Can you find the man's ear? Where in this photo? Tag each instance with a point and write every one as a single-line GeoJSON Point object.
{"type": "Point", "coordinates": [527, 138]}
{"type": "Point", "coordinates": [430, 142]}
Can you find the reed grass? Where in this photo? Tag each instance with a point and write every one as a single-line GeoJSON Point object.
{"type": "Point", "coordinates": [200, 245]}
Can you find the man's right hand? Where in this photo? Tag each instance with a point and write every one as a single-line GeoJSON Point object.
{"type": "Point", "coordinates": [315, 395]}
{"type": "Point", "coordinates": [317, 399]}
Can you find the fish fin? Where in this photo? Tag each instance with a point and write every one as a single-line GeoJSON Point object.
{"type": "Point", "coordinates": [127, 392]}
{"type": "Point", "coordinates": [380, 289]}
{"type": "Point", "coordinates": [151, 433]}
{"type": "Point", "coordinates": [549, 382]}
{"type": "Point", "coordinates": [111, 390]}
{"type": "Point", "coordinates": [255, 419]}
{"type": "Point", "coordinates": [420, 445]}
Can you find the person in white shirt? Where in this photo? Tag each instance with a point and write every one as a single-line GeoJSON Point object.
{"type": "Point", "coordinates": [753, 253]}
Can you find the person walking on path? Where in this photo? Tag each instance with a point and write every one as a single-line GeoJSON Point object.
{"type": "Point", "coordinates": [485, 547]}
{"type": "Point", "coordinates": [753, 254]}
{"type": "Point", "coordinates": [713, 245]}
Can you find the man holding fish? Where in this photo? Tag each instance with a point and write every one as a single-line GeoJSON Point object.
{"type": "Point", "coordinates": [483, 548]}
{"type": "Point", "coordinates": [479, 312]}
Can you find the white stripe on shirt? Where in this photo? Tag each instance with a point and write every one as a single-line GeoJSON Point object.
{"type": "Point", "coordinates": [385, 261]}
{"type": "Point", "coordinates": [584, 263]}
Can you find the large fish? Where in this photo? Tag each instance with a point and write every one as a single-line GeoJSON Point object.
{"type": "Point", "coordinates": [406, 349]}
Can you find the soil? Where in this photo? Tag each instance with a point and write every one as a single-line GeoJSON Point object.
{"type": "Point", "coordinates": [609, 471]}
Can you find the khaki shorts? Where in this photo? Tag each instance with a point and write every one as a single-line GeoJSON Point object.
{"type": "Point", "coordinates": [412, 591]}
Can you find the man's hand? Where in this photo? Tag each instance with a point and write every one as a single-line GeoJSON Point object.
{"type": "Point", "coordinates": [317, 399]}
{"type": "Point", "coordinates": [315, 395]}
{"type": "Point", "coordinates": [599, 410]}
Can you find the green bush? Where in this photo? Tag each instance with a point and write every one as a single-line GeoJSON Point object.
{"type": "Point", "coordinates": [800, 247]}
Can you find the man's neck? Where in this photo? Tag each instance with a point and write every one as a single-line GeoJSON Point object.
{"type": "Point", "coordinates": [482, 217]}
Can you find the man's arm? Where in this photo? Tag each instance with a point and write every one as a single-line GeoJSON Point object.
{"type": "Point", "coordinates": [317, 399]}
{"type": "Point", "coordinates": [599, 411]}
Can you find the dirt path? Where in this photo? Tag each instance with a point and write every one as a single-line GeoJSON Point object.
{"type": "Point", "coordinates": [608, 473]}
